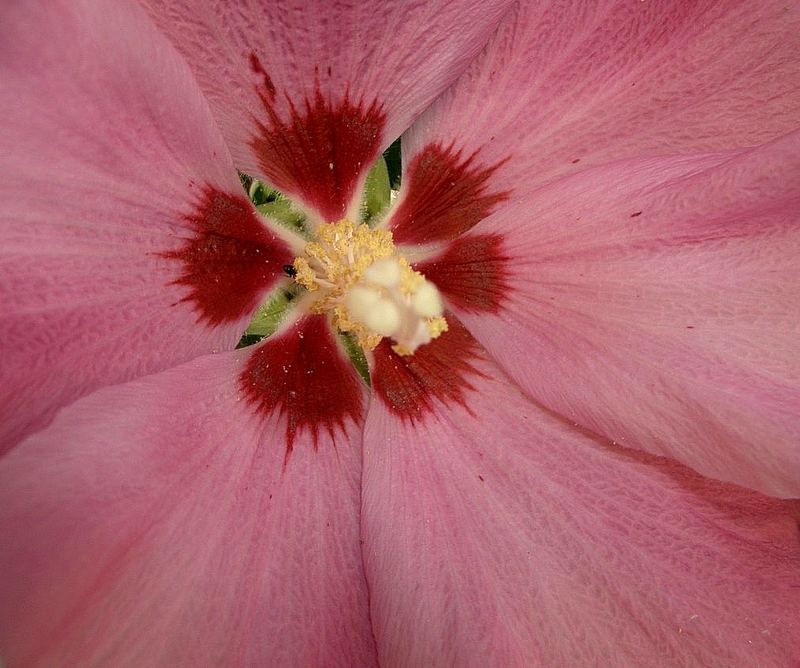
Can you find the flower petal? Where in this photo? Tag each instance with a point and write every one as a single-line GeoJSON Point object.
{"type": "Point", "coordinates": [563, 86]}
{"type": "Point", "coordinates": [655, 302]}
{"type": "Point", "coordinates": [497, 534]}
{"type": "Point", "coordinates": [127, 245]}
{"type": "Point", "coordinates": [173, 531]}
{"type": "Point", "coordinates": [303, 374]}
{"type": "Point", "coordinates": [309, 93]}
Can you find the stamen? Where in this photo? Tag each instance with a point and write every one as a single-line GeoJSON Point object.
{"type": "Point", "coordinates": [369, 290]}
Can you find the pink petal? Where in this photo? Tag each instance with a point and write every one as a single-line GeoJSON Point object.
{"type": "Point", "coordinates": [230, 258]}
{"type": "Point", "coordinates": [496, 534]}
{"type": "Point", "coordinates": [444, 195]}
{"type": "Point", "coordinates": [472, 271]}
{"type": "Point", "coordinates": [563, 86]}
{"type": "Point", "coordinates": [655, 302]}
{"type": "Point", "coordinates": [127, 245]}
{"type": "Point", "coordinates": [309, 93]}
{"type": "Point", "coordinates": [173, 532]}
{"type": "Point", "coordinates": [441, 370]}
{"type": "Point", "coordinates": [304, 375]}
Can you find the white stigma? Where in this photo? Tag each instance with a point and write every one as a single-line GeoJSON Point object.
{"type": "Point", "coordinates": [383, 318]}
{"type": "Point", "coordinates": [426, 301]}
{"type": "Point", "coordinates": [385, 272]}
{"type": "Point", "coordinates": [367, 306]}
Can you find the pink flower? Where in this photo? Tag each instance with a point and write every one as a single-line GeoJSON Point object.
{"type": "Point", "coordinates": [593, 466]}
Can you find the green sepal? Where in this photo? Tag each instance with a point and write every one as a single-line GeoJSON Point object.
{"type": "Point", "coordinates": [394, 163]}
{"type": "Point", "coordinates": [260, 192]}
{"type": "Point", "coordinates": [282, 211]}
{"type": "Point", "coordinates": [248, 340]}
{"type": "Point", "coordinates": [356, 355]}
{"type": "Point", "coordinates": [377, 193]}
{"type": "Point", "coordinates": [270, 314]}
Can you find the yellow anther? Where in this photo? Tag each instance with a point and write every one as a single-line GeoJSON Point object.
{"type": "Point", "coordinates": [436, 327]}
{"type": "Point", "coordinates": [410, 280]}
{"type": "Point", "coordinates": [401, 349]}
{"type": "Point", "coordinates": [305, 275]}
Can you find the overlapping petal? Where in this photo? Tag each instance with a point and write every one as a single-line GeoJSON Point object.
{"type": "Point", "coordinates": [176, 532]}
{"type": "Point", "coordinates": [498, 534]}
{"type": "Point", "coordinates": [566, 85]}
{"type": "Point", "coordinates": [655, 302]}
{"type": "Point", "coordinates": [109, 161]}
{"type": "Point", "coordinates": [298, 86]}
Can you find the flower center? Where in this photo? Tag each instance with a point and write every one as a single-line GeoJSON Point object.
{"type": "Point", "coordinates": [357, 276]}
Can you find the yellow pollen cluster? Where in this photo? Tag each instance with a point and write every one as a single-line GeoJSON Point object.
{"type": "Point", "coordinates": [369, 290]}
{"type": "Point", "coordinates": [339, 257]}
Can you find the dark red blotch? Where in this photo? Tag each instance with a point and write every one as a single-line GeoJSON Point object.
{"type": "Point", "coordinates": [445, 196]}
{"type": "Point", "coordinates": [304, 375]}
{"type": "Point", "coordinates": [439, 370]}
{"type": "Point", "coordinates": [268, 89]}
{"type": "Point", "coordinates": [471, 272]}
{"type": "Point", "coordinates": [231, 259]}
{"type": "Point", "coordinates": [296, 155]}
